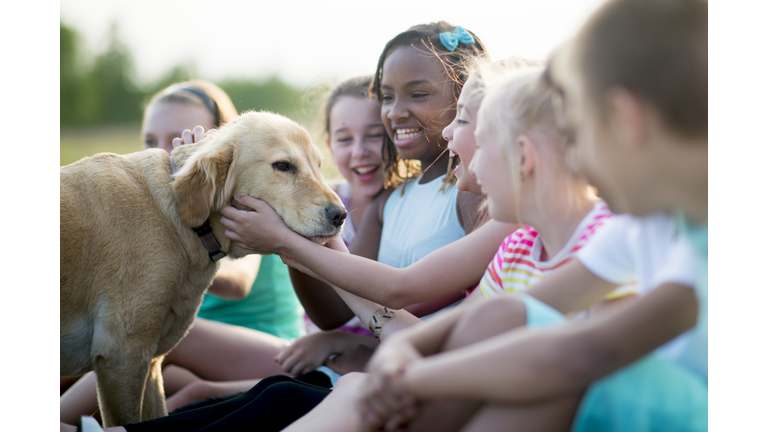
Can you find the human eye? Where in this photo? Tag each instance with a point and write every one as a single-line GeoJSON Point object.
{"type": "Point", "coordinates": [376, 133]}
{"type": "Point", "coordinates": [344, 140]}
{"type": "Point", "coordinates": [386, 98]}
{"type": "Point", "coordinates": [461, 122]}
{"type": "Point", "coordinates": [420, 95]}
{"type": "Point", "coordinates": [150, 143]}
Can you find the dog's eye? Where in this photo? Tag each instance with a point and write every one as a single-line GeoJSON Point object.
{"type": "Point", "coordinates": [284, 166]}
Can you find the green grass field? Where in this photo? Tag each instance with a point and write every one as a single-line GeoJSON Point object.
{"type": "Point", "coordinates": [76, 144]}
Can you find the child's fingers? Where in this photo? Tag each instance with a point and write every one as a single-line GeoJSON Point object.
{"type": "Point", "coordinates": [228, 233]}
{"type": "Point", "coordinates": [290, 362]}
{"type": "Point", "coordinates": [251, 202]}
{"type": "Point", "coordinates": [283, 354]}
{"type": "Point", "coordinates": [229, 214]}
{"type": "Point", "coordinates": [186, 137]}
{"type": "Point", "coordinates": [297, 368]}
{"type": "Point", "coordinates": [176, 142]}
{"type": "Point", "coordinates": [199, 133]}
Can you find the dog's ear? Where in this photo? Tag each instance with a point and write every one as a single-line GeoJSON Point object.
{"type": "Point", "coordinates": [200, 182]}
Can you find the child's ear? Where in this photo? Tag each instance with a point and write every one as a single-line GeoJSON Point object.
{"type": "Point", "coordinates": [202, 179]}
{"type": "Point", "coordinates": [527, 156]}
{"type": "Point", "coordinates": [628, 117]}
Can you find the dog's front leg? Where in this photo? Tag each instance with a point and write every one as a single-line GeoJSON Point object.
{"type": "Point", "coordinates": [120, 387]}
{"type": "Point", "coordinates": [154, 394]}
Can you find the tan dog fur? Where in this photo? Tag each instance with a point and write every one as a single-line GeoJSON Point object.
{"type": "Point", "coordinates": [133, 272]}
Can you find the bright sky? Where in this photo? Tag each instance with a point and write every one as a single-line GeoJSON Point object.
{"type": "Point", "coordinates": [306, 41]}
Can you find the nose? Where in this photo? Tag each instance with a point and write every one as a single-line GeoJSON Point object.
{"type": "Point", "coordinates": [336, 214]}
{"type": "Point", "coordinates": [359, 148]}
{"type": "Point", "coordinates": [448, 132]}
{"type": "Point", "coordinates": [397, 111]}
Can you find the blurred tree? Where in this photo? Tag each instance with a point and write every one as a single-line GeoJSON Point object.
{"type": "Point", "coordinates": [111, 95]}
{"type": "Point", "coordinates": [69, 77]}
{"type": "Point", "coordinates": [273, 95]}
{"type": "Point", "coordinates": [178, 73]}
{"type": "Point", "coordinates": [103, 90]}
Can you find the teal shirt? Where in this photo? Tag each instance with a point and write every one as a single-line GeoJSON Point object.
{"type": "Point", "coordinates": [271, 306]}
{"type": "Point", "coordinates": [697, 237]}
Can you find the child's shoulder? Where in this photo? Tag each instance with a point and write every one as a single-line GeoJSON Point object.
{"type": "Point", "coordinates": [521, 236]}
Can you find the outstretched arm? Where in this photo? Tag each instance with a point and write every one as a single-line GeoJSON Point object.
{"type": "Point", "coordinates": [447, 270]}
{"type": "Point", "coordinates": [263, 230]}
{"type": "Point", "coordinates": [558, 361]}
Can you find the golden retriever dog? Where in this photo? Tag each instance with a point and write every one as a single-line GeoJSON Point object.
{"type": "Point", "coordinates": [133, 271]}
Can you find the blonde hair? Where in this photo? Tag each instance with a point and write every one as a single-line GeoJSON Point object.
{"type": "Point", "coordinates": [520, 103]}
{"type": "Point", "coordinates": [486, 73]}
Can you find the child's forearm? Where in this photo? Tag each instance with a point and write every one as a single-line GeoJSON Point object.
{"type": "Point", "coordinates": [523, 366]}
{"type": "Point", "coordinates": [571, 288]}
{"type": "Point", "coordinates": [447, 270]}
{"type": "Point", "coordinates": [430, 336]}
{"type": "Point", "coordinates": [364, 309]}
{"type": "Point", "coordinates": [320, 301]}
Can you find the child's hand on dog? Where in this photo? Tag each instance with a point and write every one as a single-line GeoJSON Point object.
{"type": "Point", "coordinates": [192, 136]}
{"type": "Point", "coordinates": [261, 230]}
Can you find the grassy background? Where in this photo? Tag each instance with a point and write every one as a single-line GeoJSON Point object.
{"type": "Point", "coordinates": [76, 144]}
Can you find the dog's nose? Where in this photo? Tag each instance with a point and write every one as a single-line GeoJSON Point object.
{"type": "Point", "coordinates": [336, 214]}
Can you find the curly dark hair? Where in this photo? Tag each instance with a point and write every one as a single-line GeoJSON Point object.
{"type": "Point", "coordinates": [456, 63]}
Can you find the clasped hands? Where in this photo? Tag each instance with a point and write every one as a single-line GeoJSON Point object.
{"type": "Point", "coordinates": [387, 400]}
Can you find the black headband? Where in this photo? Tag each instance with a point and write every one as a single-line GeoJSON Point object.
{"type": "Point", "coordinates": [209, 103]}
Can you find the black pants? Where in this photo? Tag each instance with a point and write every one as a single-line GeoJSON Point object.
{"type": "Point", "coordinates": [271, 405]}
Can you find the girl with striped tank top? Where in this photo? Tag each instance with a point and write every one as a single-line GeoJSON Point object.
{"type": "Point", "coordinates": [532, 184]}
{"type": "Point", "coordinates": [521, 163]}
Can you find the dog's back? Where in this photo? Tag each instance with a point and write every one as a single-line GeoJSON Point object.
{"type": "Point", "coordinates": [120, 254]}
{"type": "Point", "coordinates": [133, 272]}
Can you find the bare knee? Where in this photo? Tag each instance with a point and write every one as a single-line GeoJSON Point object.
{"type": "Point", "coordinates": [487, 319]}
{"type": "Point", "coordinates": [352, 380]}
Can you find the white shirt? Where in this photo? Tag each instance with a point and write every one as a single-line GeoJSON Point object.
{"type": "Point", "coordinates": [648, 251]}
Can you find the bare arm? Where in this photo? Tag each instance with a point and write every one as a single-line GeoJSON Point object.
{"type": "Point", "coordinates": [448, 270]}
{"type": "Point", "coordinates": [572, 288]}
{"type": "Point", "coordinates": [323, 306]}
{"type": "Point", "coordinates": [321, 303]}
{"type": "Point", "coordinates": [234, 278]}
{"type": "Point", "coordinates": [255, 231]}
{"type": "Point", "coordinates": [368, 237]}
{"type": "Point", "coordinates": [558, 361]}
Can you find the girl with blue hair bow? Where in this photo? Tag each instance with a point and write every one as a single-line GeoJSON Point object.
{"type": "Point", "coordinates": [418, 79]}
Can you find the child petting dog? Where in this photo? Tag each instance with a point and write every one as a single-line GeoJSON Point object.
{"type": "Point", "coordinates": [249, 311]}
{"type": "Point", "coordinates": [622, 107]}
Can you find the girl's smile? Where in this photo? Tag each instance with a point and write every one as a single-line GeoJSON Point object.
{"type": "Point", "coordinates": [356, 137]}
{"type": "Point", "coordinates": [461, 138]}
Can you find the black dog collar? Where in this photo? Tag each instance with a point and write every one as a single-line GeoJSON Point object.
{"type": "Point", "coordinates": [205, 232]}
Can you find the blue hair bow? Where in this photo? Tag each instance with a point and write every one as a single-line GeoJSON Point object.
{"type": "Point", "coordinates": [451, 40]}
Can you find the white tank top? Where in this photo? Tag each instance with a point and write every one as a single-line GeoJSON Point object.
{"type": "Point", "coordinates": [419, 222]}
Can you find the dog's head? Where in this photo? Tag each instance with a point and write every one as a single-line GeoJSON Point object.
{"type": "Point", "coordinates": [268, 157]}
